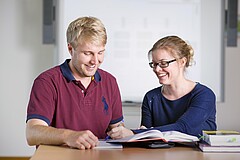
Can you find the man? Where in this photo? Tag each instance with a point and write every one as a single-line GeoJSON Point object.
{"type": "Point", "coordinates": [76, 103]}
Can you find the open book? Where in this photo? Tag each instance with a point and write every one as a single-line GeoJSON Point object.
{"type": "Point", "coordinates": [152, 135]}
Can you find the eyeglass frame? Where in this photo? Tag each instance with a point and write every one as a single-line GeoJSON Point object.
{"type": "Point", "coordinates": [154, 65]}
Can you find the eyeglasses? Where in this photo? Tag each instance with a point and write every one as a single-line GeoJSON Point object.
{"type": "Point", "coordinates": [162, 64]}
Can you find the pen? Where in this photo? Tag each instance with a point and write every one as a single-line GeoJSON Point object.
{"type": "Point", "coordinates": [107, 138]}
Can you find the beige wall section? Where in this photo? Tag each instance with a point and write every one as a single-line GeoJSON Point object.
{"type": "Point", "coordinates": [228, 112]}
{"type": "Point", "coordinates": [23, 57]}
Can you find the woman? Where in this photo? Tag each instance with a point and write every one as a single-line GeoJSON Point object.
{"type": "Point", "coordinates": [179, 103]}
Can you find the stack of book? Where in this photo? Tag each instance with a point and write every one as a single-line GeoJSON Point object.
{"type": "Point", "coordinates": [220, 141]}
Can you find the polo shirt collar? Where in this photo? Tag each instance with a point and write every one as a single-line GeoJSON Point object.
{"type": "Point", "coordinates": [68, 74]}
{"type": "Point", "coordinates": [97, 77]}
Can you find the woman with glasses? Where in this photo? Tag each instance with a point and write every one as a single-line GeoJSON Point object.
{"type": "Point", "coordinates": [179, 103]}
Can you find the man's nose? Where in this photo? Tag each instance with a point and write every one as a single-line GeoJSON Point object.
{"type": "Point", "coordinates": [94, 59]}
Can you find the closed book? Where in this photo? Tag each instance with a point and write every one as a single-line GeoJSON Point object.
{"type": "Point", "coordinates": [222, 138]}
{"type": "Point", "coordinates": [205, 147]}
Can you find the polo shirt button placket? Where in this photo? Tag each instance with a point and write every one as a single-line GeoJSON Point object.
{"type": "Point", "coordinates": [83, 92]}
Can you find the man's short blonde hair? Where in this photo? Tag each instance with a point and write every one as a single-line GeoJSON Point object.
{"type": "Point", "coordinates": [86, 30]}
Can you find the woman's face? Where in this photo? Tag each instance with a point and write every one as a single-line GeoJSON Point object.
{"type": "Point", "coordinates": [166, 75]}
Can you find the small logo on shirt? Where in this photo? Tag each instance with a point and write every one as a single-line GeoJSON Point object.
{"type": "Point", "coordinates": [105, 109]}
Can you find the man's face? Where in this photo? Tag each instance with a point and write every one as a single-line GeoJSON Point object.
{"type": "Point", "coordinates": [85, 59]}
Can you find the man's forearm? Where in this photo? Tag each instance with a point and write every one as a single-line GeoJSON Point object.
{"type": "Point", "coordinates": [39, 134]}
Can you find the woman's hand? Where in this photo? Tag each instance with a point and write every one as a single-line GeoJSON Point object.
{"type": "Point", "coordinates": [142, 127]}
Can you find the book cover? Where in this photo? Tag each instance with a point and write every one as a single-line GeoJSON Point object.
{"type": "Point", "coordinates": [151, 135]}
{"type": "Point", "coordinates": [205, 147]}
{"type": "Point", "coordinates": [222, 138]}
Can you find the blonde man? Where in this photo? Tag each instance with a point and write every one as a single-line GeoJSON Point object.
{"type": "Point", "coordinates": [75, 103]}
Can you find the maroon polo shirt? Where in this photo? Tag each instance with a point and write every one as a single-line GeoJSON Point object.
{"type": "Point", "coordinates": [63, 102]}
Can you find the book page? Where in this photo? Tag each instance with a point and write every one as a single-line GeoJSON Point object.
{"type": "Point", "coordinates": [175, 136]}
{"type": "Point", "coordinates": [148, 135]}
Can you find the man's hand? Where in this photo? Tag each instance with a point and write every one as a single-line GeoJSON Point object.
{"type": "Point", "coordinates": [81, 139]}
{"type": "Point", "coordinates": [119, 132]}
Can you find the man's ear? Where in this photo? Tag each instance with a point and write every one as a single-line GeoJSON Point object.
{"type": "Point", "coordinates": [70, 48]}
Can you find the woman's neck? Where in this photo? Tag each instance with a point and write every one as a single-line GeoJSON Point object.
{"type": "Point", "coordinates": [176, 91]}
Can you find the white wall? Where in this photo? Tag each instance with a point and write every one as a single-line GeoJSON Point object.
{"type": "Point", "coordinates": [23, 57]}
{"type": "Point", "coordinates": [137, 31]}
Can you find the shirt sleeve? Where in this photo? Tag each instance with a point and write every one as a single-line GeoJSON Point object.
{"type": "Point", "coordinates": [146, 119]}
{"type": "Point", "coordinates": [41, 102]}
{"type": "Point", "coordinates": [117, 114]}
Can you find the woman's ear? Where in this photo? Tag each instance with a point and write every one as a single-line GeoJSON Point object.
{"type": "Point", "coordinates": [183, 62]}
